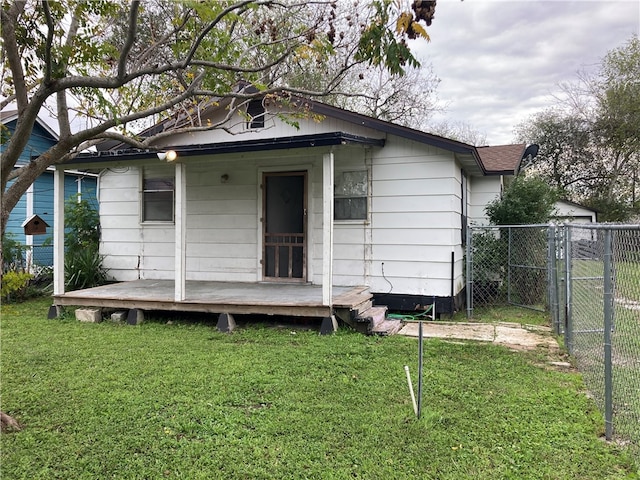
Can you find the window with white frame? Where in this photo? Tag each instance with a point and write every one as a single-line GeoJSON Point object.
{"type": "Point", "coordinates": [351, 190]}
{"type": "Point", "coordinates": [157, 198]}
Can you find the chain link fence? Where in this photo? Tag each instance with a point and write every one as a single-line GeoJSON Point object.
{"type": "Point", "coordinates": [601, 320]}
{"type": "Point", "coordinates": [507, 265]}
{"type": "Point", "coordinates": [34, 259]}
{"type": "Point", "coordinates": [588, 277]}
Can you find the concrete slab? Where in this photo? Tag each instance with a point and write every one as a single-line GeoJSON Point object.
{"type": "Point", "coordinates": [464, 331]}
{"type": "Point", "coordinates": [508, 334]}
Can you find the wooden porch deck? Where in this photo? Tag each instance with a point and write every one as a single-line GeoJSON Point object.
{"type": "Point", "coordinates": [220, 297]}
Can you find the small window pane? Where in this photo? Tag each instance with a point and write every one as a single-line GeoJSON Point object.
{"type": "Point", "coordinates": [350, 208]}
{"type": "Point", "coordinates": [157, 200]}
{"type": "Point", "coordinates": [256, 113]}
{"type": "Point", "coordinates": [351, 184]}
{"type": "Point", "coordinates": [158, 184]}
{"type": "Point", "coordinates": [351, 191]}
{"type": "Point", "coordinates": [158, 206]}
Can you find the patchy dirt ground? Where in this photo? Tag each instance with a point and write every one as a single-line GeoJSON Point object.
{"type": "Point", "coordinates": [511, 335]}
{"type": "Point", "coordinates": [508, 334]}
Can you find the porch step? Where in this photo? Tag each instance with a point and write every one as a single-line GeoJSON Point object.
{"type": "Point", "coordinates": [378, 323]}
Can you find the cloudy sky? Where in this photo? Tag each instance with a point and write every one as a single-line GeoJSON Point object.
{"type": "Point", "coordinates": [500, 61]}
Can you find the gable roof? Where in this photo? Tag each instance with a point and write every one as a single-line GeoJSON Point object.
{"type": "Point", "coordinates": [12, 115]}
{"type": "Point", "coordinates": [501, 159]}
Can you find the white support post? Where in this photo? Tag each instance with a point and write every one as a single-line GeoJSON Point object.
{"type": "Point", "coordinates": [58, 231]}
{"type": "Point", "coordinates": [180, 232]}
{"type": "Point", "coordinates": [327, 229]}
{"type": "Point", "coordinates": [29, 238]}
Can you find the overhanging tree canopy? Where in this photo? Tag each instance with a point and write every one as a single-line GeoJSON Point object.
{"type": "Point", "coordinates": [111, 65]}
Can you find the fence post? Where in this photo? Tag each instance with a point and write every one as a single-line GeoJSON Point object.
{"type": "Point", "coordinates": [552, 277]}
{"type": "Point", "coordinates": [568, 322]}
{"type": "Point", "coordinates": [509, 265]}
{"type": "Point", "coordinates": [608, 322]}
{"type": "Point", "coordinates": [469, 269]}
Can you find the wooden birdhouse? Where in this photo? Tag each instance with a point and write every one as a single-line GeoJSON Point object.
{"type": "Point", "coordinates": [35, 225]}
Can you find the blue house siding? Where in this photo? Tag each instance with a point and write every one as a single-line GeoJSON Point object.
{"type": "Point", "coordinates": [40, 141]}
{"type": "Point", "coordinates": [18, 215]}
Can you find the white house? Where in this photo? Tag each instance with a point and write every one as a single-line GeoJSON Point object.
{"type": "Point", "coordinates": [332, 200]}
{"type": "Point", "coordinates": [567, 211]}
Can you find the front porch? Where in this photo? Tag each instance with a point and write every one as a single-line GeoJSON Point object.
{"type": "Point", "coordinates": [295, 300]}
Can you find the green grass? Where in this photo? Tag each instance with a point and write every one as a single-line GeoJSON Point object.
{"type": "Point", "coordinates": [181, 400]}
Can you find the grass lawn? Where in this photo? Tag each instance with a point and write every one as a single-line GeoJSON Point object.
{"type": "Point", "coordinates": [181, 400]}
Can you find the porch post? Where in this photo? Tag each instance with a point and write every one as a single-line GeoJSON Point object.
{"type": "Point", "coordinates": [180, 233]}
{"type": "Point", "coordinates": [58, 231]}
{"type": "Point", "coordinates": [327, 229]}
{"type": "Point", "coordinates": [29, 238]}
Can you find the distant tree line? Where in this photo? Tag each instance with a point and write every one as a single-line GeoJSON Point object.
{"type": "Point", "coordinates": [590, 141]}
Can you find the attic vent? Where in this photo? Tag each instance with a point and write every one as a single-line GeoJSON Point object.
{"type": "Point", "coordinates": [255, 113]}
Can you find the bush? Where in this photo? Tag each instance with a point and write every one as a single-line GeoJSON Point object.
{"type": "Point", "coordinates": [14, 285]}
{"type": "Point", "coordinates": [527, 200]}
{"type": "Point", "coordinates": [83, 262]}
{"type": "Point", "coordinates": [83, 269]}
{"type": "Point", "coordinates": [13, 254]}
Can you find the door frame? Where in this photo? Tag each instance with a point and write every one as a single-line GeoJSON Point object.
{"type": "Point", "coordinates": [290, 172]}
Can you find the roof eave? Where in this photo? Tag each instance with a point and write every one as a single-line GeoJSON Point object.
{"type": "Point", "coordinates": [241, 146]}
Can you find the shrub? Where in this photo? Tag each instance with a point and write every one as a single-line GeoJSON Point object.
{"type": "Point", "coordinates": [13, 254]}
{"type": "Point", "coordinates": [14, 285]}
{"type": "Point", "coordinates": [83, 269]}
{"type": "Point", "coordinates": [83, 262]}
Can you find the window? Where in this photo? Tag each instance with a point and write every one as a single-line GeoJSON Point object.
{"type": "Point", "coordinates": [256, 113]}
{"type": "Point", "coordinates": [350, 195]}
{"type": "Point", "coordinates": [157, 199]}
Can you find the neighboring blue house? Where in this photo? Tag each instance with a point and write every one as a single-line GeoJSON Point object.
{"type": "Point", "coordinates": [39, 198]}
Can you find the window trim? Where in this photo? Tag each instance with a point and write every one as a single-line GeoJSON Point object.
{"type": "Point", "coordinates": [143, 192]}
{"type": "Point", "coordinates": [366, 196]}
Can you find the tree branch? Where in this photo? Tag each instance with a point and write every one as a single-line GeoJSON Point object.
{"type": "Point", "coordinates": [212, 24]}
{"type": "Point", "coordinates": [49, 43]}
{"type": "Point", "coordinates": [9, 20]}
{"type": "Point", "coordinates": [131, 37]}
{"type": "Point", "coordinates": [64, 124]}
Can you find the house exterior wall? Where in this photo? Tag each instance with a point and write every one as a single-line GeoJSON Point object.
{"type": "Point", "coordinates": [483, 190]}
{"type": "Point", "coordinates": [274, 128]}
{"type": "Point", "coordinates": [415, 219]}
{"type": "Point", "coordinates": [39, 199]}
{"type": "Point", "coordinates": [413, 226]}
{"type": "Point", "coordinates": [223, 220]}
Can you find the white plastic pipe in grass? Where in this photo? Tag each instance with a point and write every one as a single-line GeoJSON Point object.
{"type": "Point", "coordinates": [413, 395]}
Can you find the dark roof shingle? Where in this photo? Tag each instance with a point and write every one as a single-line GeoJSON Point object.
{"type": "Point", "coordinates": [501, 158]}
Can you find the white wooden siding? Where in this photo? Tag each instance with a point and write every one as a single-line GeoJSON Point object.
{"type": "Point", "coordinates": [414, 219]}
{"type": "Point", "coordinates": [483, 191]}
{"type": "Point", "coordinates": [273, 129]}
{"type": "Point", "coordinates": [223, 227]}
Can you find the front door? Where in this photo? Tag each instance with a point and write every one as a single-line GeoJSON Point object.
{"type": "Point", "coordinates": [284, 255]}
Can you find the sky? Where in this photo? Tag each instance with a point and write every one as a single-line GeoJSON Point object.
{"type": "Point", "coordinates": [501, 61]}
